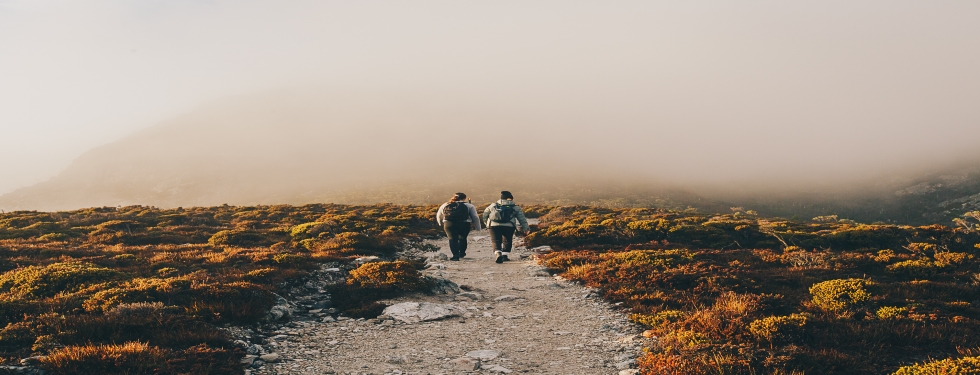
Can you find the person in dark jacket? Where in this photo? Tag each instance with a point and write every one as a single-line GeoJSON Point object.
{"type": "Point", "coordinates": [458, 217]}
{"type": "Point", "coordinates": [503, 218]}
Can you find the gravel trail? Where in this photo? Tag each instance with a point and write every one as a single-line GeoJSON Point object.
{"type": "Point", "coordinates": [513, 318]}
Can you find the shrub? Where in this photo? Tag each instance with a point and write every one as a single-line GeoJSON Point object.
{"type": "Point", "coordinates": [946, 258]}
{"type": "Point", "coordinates": [386, 276]}
{"type": "Point", "coordinates": [662, 317]}
{"type": "Point", "coordinates": [921, 247]}
{"type": "Point", "coordinates": [948, 366]}
{"type": "Point", "coordinates": [913, 268]}
{"type": "Point", "coordinates": [238, 238]}
{"type": "Point", "coordinates": [890, 312]}
{"type": "Point", "coordinates": [46, 281]}
{"type": "Point", "coordinates": [130, 358]}
{"type": "Point", "coordinates": [350, 242]}
{"type": "Point", "coordinates": [840, 295]}
{"type": "Point", "coordinates": [778, 329]}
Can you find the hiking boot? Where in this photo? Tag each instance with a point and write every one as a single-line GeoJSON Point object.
{"type": "Point", "coordinates": [506, 259]}
{"type": "Point", "coordinates": [454, 259]}
{"type": "Point", "coordinates": [462, 255]}
{"type": "Point", "coordinates": [500, 258]}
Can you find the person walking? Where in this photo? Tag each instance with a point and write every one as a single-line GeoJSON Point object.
{"type": "Point", "coordinates": [502, 218]}
{"type": "Point", "coordinates": [457, 217]}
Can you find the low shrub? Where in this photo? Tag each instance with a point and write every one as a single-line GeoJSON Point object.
{"type": "Point", "coordinates": [778, 329]}
{"type": "Point", "coordinates": [891, 312]}
{"type": "Point", "coordinates": [840, 295]}
{"type": "Point", "coordinates": [913, 268]}
{"type": "Point", "coordinates": [46, 281]}
{"type": "Point", "coordinates": [386, 276]}
{"type": "Point", "coordinates": [948, 366]}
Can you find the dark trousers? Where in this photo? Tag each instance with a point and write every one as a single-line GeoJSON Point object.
{"type": "Point", "coordinates": [457, 232]}
{"type": "Point", "coordinates": [502, 238]}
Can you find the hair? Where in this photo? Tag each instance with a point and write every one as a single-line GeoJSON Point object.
{"type": "Point", "coordinates": [506, 195]}
{"type": "Point", "coordinates": [458, 197]}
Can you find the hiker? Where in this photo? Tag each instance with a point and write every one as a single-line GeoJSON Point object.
{"type": "Point", "coordinates": [458, 217]}
{"type": "Point", "coordinates": [502, 217]}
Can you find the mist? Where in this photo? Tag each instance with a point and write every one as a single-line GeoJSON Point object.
{"type": "Point", "coordinates": [185, 103]}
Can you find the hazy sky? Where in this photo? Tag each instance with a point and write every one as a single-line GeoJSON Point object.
{"type": "Point", "coordinates": [727, 88]}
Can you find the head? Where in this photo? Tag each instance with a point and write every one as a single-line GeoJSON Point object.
{"type": "Point", "coordinates": [459, 197]}
{"type": "Point", "coordinates": [506, 195]}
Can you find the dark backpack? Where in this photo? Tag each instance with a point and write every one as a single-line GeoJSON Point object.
{"type": "Point", "coordinates": [456, 211]}
{"type": "Point", "coordinates": [502, 213]}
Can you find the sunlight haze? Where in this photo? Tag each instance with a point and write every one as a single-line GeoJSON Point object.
{"type": "Point", "coordinates": [700, 92]}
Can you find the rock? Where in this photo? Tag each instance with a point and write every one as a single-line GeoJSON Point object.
{"type": "Point", "coordinates": [367, 259]}
{"type": "Point", "coordinates": [625, 364]}
{"type": "Point", "coordinates": [625, 357]}
{"type": "Point", "coordinates": [414, 312]}
{"type": "Point", "coordinates": [465, 364]}
{"type": "Point", "coordinates": [328, 319]}
{"type": "Point", "coordinates": [442, 286]}
{"type": "Point", "coordinates": [280, 311]}
{"type": "Point", "coordinates": [500, 369]}
{"type": "Point", "coordinates": [254, 349]}
{"type": "Point", "coordinates": [471, 295]}
{"type": "Point", "coordinates": [395, 359]}
{"type": "Point", "coordinates": [435, 266]}
{"type": "Point", "coordinates": [441, 256]}
{"type": "Point", "coordinates": [541, 249]}
{"type": "Point", "coordinates": [270, 358]}
{"type": "Point", "coordinates": [650, 334]}
{"type": "Point", "coordinates": [32, 361]}
{"type": "Point", "coordinates": [484, 355]}
{"type": "Point", "coordinates": [332, 269]}
{"type": "Point", "coordinates": [505, 298]}
{"type": "Point", "coordinates": [248, 359]}
{"type": "Point", "coordinates": [630, 372]}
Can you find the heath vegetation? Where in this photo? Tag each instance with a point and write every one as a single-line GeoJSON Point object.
{"type": "Point", "coordinates": [140, 290]}
{"type": "Point", "coordinates": [741, 294]}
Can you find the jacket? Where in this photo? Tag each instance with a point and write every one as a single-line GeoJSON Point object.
{"type": "Point", "coordinates": [474, 218]}
{"type": "Point", "coordinates": [518, 216]}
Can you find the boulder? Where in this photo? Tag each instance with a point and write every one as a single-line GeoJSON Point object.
{"type": "Point", "coordinates": [414, 312]}
{"type": "Point", "coordinates": [441, 285]}
{"type": "Point", "coordinates": [270, 358]}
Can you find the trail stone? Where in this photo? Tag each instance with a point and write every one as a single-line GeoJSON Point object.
{"type": "Point", "coordinates": [471, 295]}
{"type": "Point", "coordinates": [625, 364]}
{"type": "Point", "coordinates": [484, 355]}
{"type": "Point", "coordinates": [505, 298]}
{"type": "Point", "coordinates": [367, 259]}
{"type": "Point", "coordinates": [500, 369]}
{"type": "Point", "coordinates": [465, 364]}
{"type": "Point", "coordinates": [630, 372]}
{"type": "Point", "coordinates": [414, 312]}
{"type": "Point", "coordinates": [442, 286]}
{"type": "Point", "coordinates": [441, 256]}
{"type": "Point", "coordinates": [270, 358]}
{"type": "Point", "coordinates": [248, 359]}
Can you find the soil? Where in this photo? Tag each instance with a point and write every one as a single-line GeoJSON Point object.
{"type": "Point", "coordinates": [536, 323]}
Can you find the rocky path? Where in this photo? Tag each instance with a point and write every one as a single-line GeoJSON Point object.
{"type": "Point", "coordinates": [510, 318]}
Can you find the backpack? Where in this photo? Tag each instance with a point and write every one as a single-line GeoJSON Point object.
{"type": "Point", "coordinates": [456, 211]}
{"type": "Point", "coordinates": [502, 213]}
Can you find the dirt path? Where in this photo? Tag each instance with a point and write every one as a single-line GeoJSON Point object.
{"type": "Point", "coordinates": [524, 321]}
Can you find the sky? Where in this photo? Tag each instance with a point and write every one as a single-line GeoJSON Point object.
{"type": "Point", "coordinates": [763, 90]}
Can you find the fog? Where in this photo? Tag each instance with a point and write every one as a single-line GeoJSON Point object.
{"type": "Point", "coordinates": [286, 100]}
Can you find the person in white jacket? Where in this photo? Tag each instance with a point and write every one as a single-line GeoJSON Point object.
{"type": "Point", "coordinates": [503, 218]}
{"type": "Point", "coordinates": [458, 217]}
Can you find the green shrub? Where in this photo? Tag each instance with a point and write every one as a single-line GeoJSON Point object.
{"type": "Point", "coordinates": [46, 281]}
{"type": "Point", "coordinates": [840, 295]}
{"type": "Point", "coordinates": [913, 268]}
{"type": "Point", "coordinates": [948, 366]}
{"type": "Point", "coordinates": [778, 329]}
